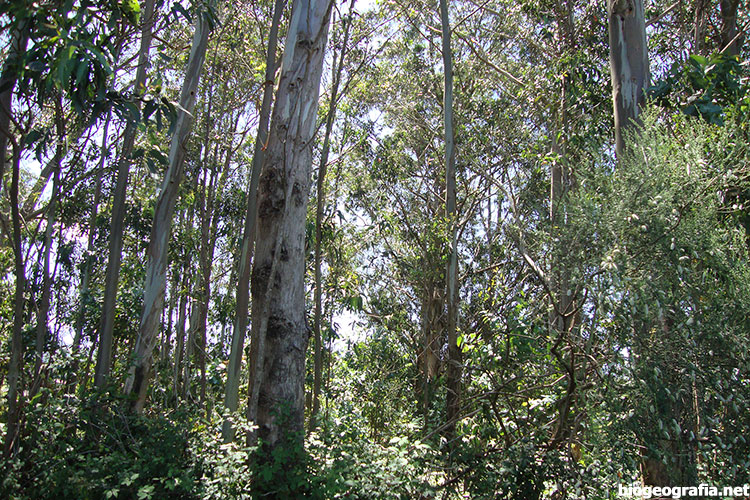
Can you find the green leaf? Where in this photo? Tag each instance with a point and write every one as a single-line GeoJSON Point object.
{"type": "Point", "coordinates": [177, 8]}
{"type": "Point", "coordinates": [131, 10]}
{"type": "Point", "coordinates": [33, 137]}
{"type": "Point", "coordinates": [698, 61]}
{"type": "Point", "coordinates": [146, 492]}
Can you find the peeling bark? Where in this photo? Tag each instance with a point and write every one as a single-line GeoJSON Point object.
{"type": "Point", "coordinates": [628, 64]}
{"type": "Point", "coordinates": [280, 333]}
{"type": "Point", "coordinates": [161, 229]}
{"type": "Point", "coordinates": [231, 395]}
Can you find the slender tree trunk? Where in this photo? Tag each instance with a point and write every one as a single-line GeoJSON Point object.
{"type": "Point", "coordinates": [433, 326]}
{"type": "Point", "coordinates": [180, 329]}
{"type": "Point", "coordinates": [628, 64]}
{"type": "Point", "coordinates": [106, 328]}
{"type": "Point", "coordinates": [337, 71]}
{"type": "Point", "coordinates": [161, 229]}
{"type": "Point", "coordinates": [166, 345]}
{"type": "Point", "coordinates": [700, 23]}
{"type": "Point", "coordinates": [454, 361]}
{"type": "Point", "coordinates": [42, 327]}
{"type": "Point", "coordinates": [231, 395]}
{"type": "Point", "coordinates": [280, 332]}
{"type": "Point", "coordinates": [562, 299]}
{"type": "Point", "coordinates": [15, 367]}
{"type": "Point", "coordinates": [88, 263]}
{"type": "Point", "coordinates": [209, 234]}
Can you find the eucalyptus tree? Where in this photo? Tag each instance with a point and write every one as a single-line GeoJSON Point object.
{"type": "Point", "coordinates": [279, 329]}
{"type": "Point", "coordinates": [66, 52]}
{"type": "Point", "coordinates": [153, 305]}
{"type": "Point", "coordinates": [106, 328]}
{"type": "Point", "coordinates": [629, 66]}
{"type": "Point", "coordinates": [19, 41]}
{"type": "Point", "coordinates": [453, 362]}
{"type": "Point", "coordinates": [42, 326]}
{"type": "Point", "coordinates": [337, 71]}
{"type": "Point", "coordinates": [231, 395]}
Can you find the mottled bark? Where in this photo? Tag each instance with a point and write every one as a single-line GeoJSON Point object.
{"type": "Point", "coordinates": [231, 395]}
{"type": "Point", "coordinates": [161, 228]}
{"type": "Point", "coordinates": [628, 64]}
{"type": "Point", "coordinates": [280, 332]}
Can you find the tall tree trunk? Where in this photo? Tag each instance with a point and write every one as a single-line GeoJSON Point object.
{"type": "Point", "coordinates": [15, 367]}
{"type": "Point", "coordinates": [280, 333]}
{"type": "Point", "coordinates": [454, 362]}
{"type": "Point", "coordinates": [337, 71]}
{"type": "Point", "coordinates": [106, 328]}
{"type": "Point", "coordinates": [88, 263]}
{"type": "Point", "coordinates": [42, 327]}
{"type": "Point", "coordinates": [19, 41]}
{"type": "Point", "coordinates": [231, 395]}
{"type": "Point", "coordinates": [628, 64]}
{"type": "Point", "coordinates": [562, 299]}
{"type": "Point", "coordinates": [161, 229]}
{"type": "Point", "coordinates": [180, 329]}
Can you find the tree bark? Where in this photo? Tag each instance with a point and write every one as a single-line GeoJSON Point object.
{"type": "Point", "coordinates": [106, 328]}
{"type": "Point", "coordinates": [19, 41]}
{"type": "Point", "coordinates": [231, 395]}
{"type": "Point", "coordinates": [15, 367]}
{"type": "Point", "coordinates": [280, 333]}
{"type": "Point", "coordinates": [454, 361]}
{"type": "Point", "coordinates": [180, 329]}
{"type": "Point", "coordinates": [161, 228]}
{"type": "Point", "coordinates": [628, 64]}
{"type": "Point", "coordinates": [700, 23]}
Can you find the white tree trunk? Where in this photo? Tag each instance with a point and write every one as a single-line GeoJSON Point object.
{"type": "Point", "coordinates": [161, 229]}
{"type": "Point", "coordinates": [280, 332]}
{"type": "Point", "coordinates": [628, 64]}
